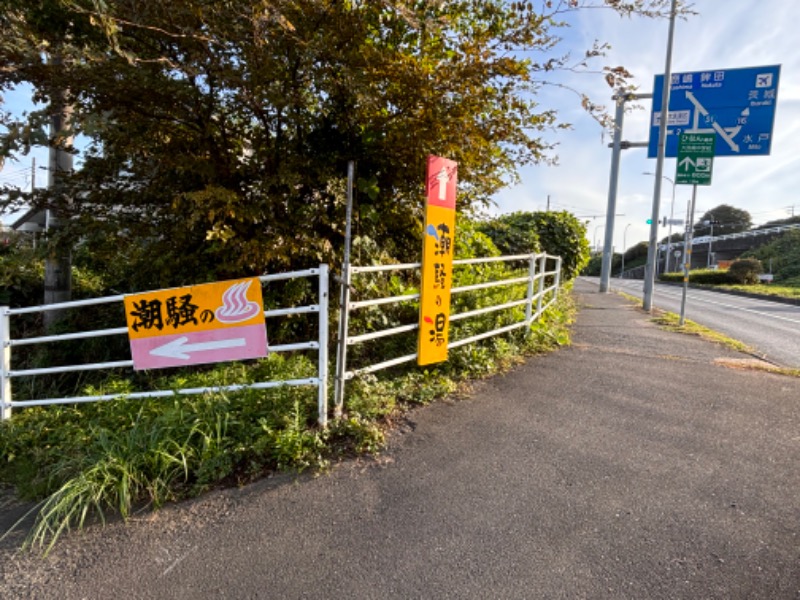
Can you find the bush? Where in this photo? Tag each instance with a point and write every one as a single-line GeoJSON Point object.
{"type": "Point", "coordinates": [21, 278]}
{"type": "Point", "coordinates": [782, 254]}
{"type": "Point", "coordinates": [701, 276]}
{"type": "Point", "coordinates": [558, 233]}
{"type": "Point", "coordinates": [673, 277]}
{"type": "Point", "coordinates": [709, 277]}
{"type": "Point", "coordinates": [88, 459]}
{"type": "Point", "coordinates": [745, 271]}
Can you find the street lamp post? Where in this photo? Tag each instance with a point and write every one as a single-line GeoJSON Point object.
{"type": "Point", "coordinates": [596, 246]}
{"type": "Point", "coordinates": [624, 250]}
{"type": "Point", "coordinates": [671, 214]}
{"type": "Point", "coordinates": [710, 239]}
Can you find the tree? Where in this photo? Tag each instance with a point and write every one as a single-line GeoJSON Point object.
{"type": "Point", "coordinates": [676, 238]}
{"type": "Point", "coordinates": [726, 219]}
{"type": "Point", "coordinates": [778, 222]}
{"type": "Point", "coordinates": [218, 132]}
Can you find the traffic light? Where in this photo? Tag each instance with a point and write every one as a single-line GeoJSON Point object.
{"type": "Point", "coordinates": [649, 221]}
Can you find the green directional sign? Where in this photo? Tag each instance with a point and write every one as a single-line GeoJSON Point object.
{"type": "Point", "coordinates": [695, 158]}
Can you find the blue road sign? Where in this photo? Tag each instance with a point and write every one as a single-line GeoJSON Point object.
{"type": "Point", "coordinates": [736, 104]}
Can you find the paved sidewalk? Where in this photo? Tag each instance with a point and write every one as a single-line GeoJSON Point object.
{"type": "Point", "coordinates": [630, 465]}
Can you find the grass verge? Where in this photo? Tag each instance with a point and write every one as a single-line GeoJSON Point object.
{"type": "Point", "coordinates": [671, 322]}
{"type": "Point", "coordinates": [777, 291]}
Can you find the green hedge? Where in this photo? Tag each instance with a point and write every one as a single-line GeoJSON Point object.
{"type": "Point", "coordinates": [701, 276]}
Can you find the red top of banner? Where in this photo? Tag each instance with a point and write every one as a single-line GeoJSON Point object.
{"type": "Point", "coordinates": [441, 182]}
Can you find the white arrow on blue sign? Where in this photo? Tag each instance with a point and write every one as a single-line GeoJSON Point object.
{"type": "Point", "coordinates": [738, 105]}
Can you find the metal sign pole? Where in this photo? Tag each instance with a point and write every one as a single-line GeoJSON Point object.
{"type": "Point", "coordinates": [687, 264]}
{"type": "Point", "coordinates": [650, 268]}
{"type": "Point", "coordinates": [669, 231]}
{"type": "Point", "coordinates": [344, 300]}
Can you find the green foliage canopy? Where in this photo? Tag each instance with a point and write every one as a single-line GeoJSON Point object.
{"type": "Point", "coordinates": [217, 131]}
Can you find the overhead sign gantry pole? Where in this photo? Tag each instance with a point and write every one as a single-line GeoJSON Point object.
{"type": "Point", "coordinates": [650, 269]}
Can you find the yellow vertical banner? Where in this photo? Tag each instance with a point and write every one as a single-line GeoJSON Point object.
{"type": "Point", "coordinates": [438, 247]}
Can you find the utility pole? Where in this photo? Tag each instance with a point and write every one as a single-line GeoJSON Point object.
{"type": "Point", "coordinates": [617, 145]}
{"type": "Point", "coordinates": [711, 222]}
{"type": "Point", "coordinates": [624, 250]}
{"type": "Point", "coordinates": [687, 254]}
{"type": "Point", "coordinates": [605, 265]}
{"type": "Point", "coordinates": [58, 264]}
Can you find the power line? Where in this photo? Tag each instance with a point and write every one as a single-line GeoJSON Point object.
{"type": "Point", "coordinates": [15, 173]}
{"type": "Point", "coordinates": [25, 178]}
{"type": "Point", "coordinates": [566, 205]}
{"type": "Point", "coordinates": [597, 216]}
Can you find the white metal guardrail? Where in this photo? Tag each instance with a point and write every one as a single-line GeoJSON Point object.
{"type": "Point", "coordinates": [7, 373]}
{"type": "Point", "coordinates": [539, 296]}
{"type": "Point", "coordinates": [704, 239]}
{"type": "Point", "coordinates": [542, 284]}
{"type": "Point", "coordinates": [757, 232]}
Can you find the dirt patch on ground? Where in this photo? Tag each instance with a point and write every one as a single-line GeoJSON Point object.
{"type": "Point", "coordinates": [747, 363]}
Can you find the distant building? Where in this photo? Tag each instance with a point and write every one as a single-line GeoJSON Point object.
{"type": "Point", "coordinates": [33, 221]}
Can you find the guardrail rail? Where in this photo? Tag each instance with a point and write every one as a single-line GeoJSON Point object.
{"type": "Point", "coordinates": [539, 297]}
{"type": "Point", "coordinates": [7, 344]}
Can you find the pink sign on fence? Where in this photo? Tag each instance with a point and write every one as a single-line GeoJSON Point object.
{"type": "Point", "coordinates": [208, 323]}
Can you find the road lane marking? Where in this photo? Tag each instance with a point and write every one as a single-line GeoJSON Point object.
{"type": "Point", "coordinates": [742, 308]}
{"type": "Point", "coordinates": [698, 295]}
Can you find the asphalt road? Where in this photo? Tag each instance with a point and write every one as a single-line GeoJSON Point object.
{"type": "Point", "coordinates": [636, 463]}
{"type": "Point", "coordinates": [771, 328]}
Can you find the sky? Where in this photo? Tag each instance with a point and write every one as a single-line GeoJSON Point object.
{"type": "Point", "coordinates": [724, 35]}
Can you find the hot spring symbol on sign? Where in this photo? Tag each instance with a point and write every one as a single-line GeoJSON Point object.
{"type": "Point", "coordinates": [207, 323]}
{"type": "Point", "coordinates": [235, 305]}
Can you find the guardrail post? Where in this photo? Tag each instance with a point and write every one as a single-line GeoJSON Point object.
{"type": "Point", "coordinates": [341, 344]}
{"type": "Point", "coordinates": [542, 277]}
{"type": "Point", "coordinates": [322, 389]}
{"type": "Point", "coordinates": [531, 282]}
{"type": "Point", "coordinates": [5, 364]}
{"type": "Point", "coordinates": [558, 276]}
{"type": "Point", "coordinates": [344, 299]}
